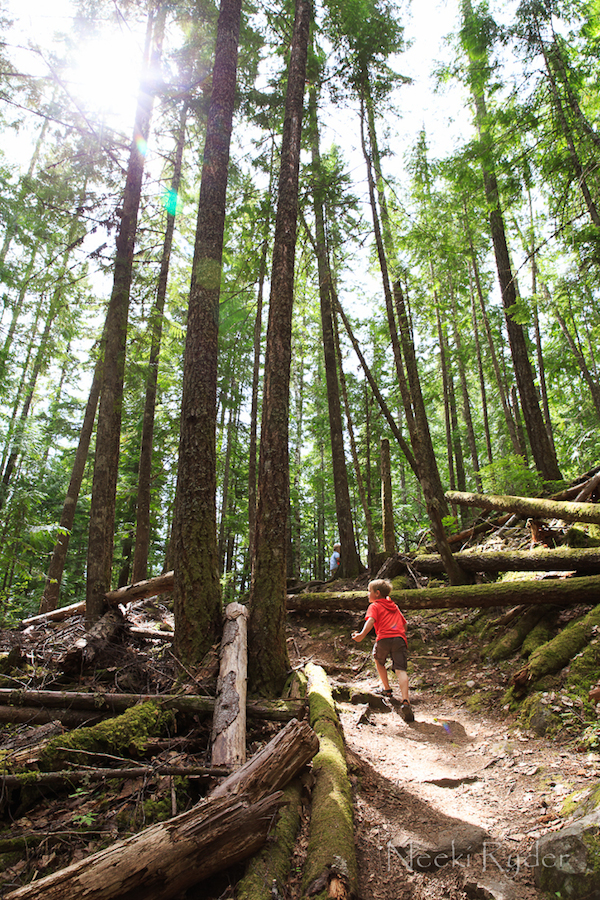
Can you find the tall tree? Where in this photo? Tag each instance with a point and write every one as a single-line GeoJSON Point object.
{"type": "Point", "coordinates": [474, 36]}
{"type": "Point", "coordinates": [197, 590]}
{"type": "Point", "coordinates": [108, 431]}
{"type": "Point", "coordinates": [268, 661]}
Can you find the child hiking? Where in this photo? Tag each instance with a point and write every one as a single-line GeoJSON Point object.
{"type": "Point", "coordinates": [390, 629]}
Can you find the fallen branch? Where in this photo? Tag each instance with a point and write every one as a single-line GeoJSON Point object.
{"type": "Point", "coordinates": [78, 776]}
{"type": "Point", "coordinates": [192, 704]}
{"type": "Point", "coordinates": [161, 584]}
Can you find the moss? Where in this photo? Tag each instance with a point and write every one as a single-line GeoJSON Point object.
{"type": "Point", "coordinates": [541, 634]}
{"type": "Point", "coordinates": [554, 655]}
{"type": "Point", "coordinates": [506, 644]}
{"type": "Point", "coordinates": [401, 583]}
{"type": "Point", "coordinates": [577, 537]}
{"type": "Point", "coordinates": [272, 865]}
{"type": "Point", "coordinates": [125, 735]}
{"type": "Point", "coordinates": [475, 702]}
{"type": "Point", "coordinates": [331, 840]}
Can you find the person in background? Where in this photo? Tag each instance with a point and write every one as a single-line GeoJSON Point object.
{"type": "Point", "coordinates": [390, 628]}
{"type": "Point", "coordinates": [334, 562]}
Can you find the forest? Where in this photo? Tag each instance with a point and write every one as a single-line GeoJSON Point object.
{"type": "Point", "coordinates": [236, 317]}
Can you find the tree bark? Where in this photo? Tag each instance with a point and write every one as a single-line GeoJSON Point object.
{"type": "Point", "coordinates": [268, 661]}
{"type": "Point", "coordinates": [387, 512]}
{"type": "Point", "coordinates": [197, 590]}
{"type": "Point", "coordinates": [585, 562]}
{"type": "Point", "coordinates": [229, 719]}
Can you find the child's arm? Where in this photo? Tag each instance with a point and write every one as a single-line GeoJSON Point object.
{"type": "Point", "coordinates": [359, 635]}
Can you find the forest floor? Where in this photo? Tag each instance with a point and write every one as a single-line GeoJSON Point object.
{"type": "Point", "coordinates": [449, 806]}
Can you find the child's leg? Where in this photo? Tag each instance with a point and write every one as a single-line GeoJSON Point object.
{"type": "Point", "coordinates": [402, 677]}
{"type": "Point", "coordinates": [383, 675]}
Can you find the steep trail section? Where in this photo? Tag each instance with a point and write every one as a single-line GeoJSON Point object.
{"type": "Point", "coordinates": [451, 806]}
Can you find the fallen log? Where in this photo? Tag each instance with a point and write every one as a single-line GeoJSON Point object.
{"type": "Point", "coordinates": [529, 506]}
{"type": "Point", "coordinates": [77, 776]}
{"type": "Point", "coordinates": [229, 719]}
{"type": "Point", "coordinates": [192, 704]}
{"type": "Point", "coordinates": [330, 857]}
{"type": "Point", "coordinates": [586, 561]}
{"type": "Point", "coordinates": [161, 584]}
{"type": "Point", "coordinates": [166, 859]}
{"type": "Point", "coordinates": [68, 717]}
{"type": "Point", "coordinates": [55, 615]}
{"type": "Point", "coordinates": [559, 591]}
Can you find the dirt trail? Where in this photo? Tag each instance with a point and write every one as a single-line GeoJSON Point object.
{"type": "Point", "coordinates": [451, 806]}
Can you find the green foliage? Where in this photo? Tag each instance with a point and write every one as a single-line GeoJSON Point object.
{"type": "Point", "coordinates": [510, 475]}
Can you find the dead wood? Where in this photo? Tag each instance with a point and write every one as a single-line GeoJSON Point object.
{"type": "Point", "coordinates": [77, 776]}
{"type": "Point", "coordinates": [108, 704]}
{"type": "Point", "coordinates": [529, 506]}
{"type": "Point", "coordinates": [567, 591]}
{"type": "Point", "coordinates": [229, 719]}
{"type": "Point", "coordinates": [164, 860]}
{"type": "Point", "coordinates": [85, 651]}
{"type": "Point", "coordinates": [69, 718]}
{"type": "Point", "coordinates": [161, 584]}
{"type": "Point", "coordinates": [55, 615]}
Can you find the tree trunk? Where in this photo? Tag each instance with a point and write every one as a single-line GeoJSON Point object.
{"type": "Point", "coordinates": [387, 512]}
{"type": "Point", "coordinates": [584, 562]}
{"type": "Point", "coordinates": [197, 591]}
{"type": "Point", "coordinates": [350, 564]}
{"type": "Point", "coordinates": [142, 527]}
{"type": "Point", "coordinates": [268, 662]}
{"type": "Point", "coordinates": [108, 431]}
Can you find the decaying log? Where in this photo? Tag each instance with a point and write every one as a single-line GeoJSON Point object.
{"type": "Point", "coordinates": [69, 718]}
{"type": "Point", "coordinates": [55, 615]}
{"type": "Point", "coordinates": [529, 506]}
{"type": "Point", "coordinates": [330, 857]}
{"type": "Point", "coordinates": [164, 860]}
{"type": "Point", "coordinates": [192, 704]}
{"type": "Point", "coordinates": [161, 584]}
{"type": "Point", "coordinates": [586, 561]}
{"type": "Point", "coordinates": [558, 591]}
{"type": "Point", "coordinates": [229, 719]}
{"type": "Point", "coordinates": [77, 776]}
{"type": "Point", "coordinates": [107, 630]}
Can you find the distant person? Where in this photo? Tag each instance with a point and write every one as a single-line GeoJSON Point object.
{"type": "Point", "coordinates": [334, 562]}
{"type": "Point", "coordinates": [390, 629]}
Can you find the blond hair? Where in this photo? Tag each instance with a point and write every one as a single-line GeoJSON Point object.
{"type": "Point", "coordinates": [381, 586]}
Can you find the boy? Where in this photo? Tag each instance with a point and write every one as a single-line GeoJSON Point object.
{"type": "Point", "coordinates": [390, 628]}
{"type": "Point", "coordinates": [334, 562]}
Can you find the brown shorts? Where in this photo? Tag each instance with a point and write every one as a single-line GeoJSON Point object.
{"type": "Point", "coordinates": [394, 647]}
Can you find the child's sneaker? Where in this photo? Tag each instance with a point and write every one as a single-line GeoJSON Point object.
{"type": "Point", "coordinates": [382, 692]}
{"type": "Point", "coordinates": [406, 710]}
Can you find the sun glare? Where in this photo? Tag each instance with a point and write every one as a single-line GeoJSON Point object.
{"type": "Point", "coordinates": [105, 76]}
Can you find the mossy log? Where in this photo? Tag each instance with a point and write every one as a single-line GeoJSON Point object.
{"type": "Point", "coordinates": [267, 873]}
{"type": "Point", "coordinates": [79, 776]}
{"type": "Point", "coordinates": [529, 506]}
{"type": "Point", "coordinates": [586, 561]}
{"type": "Point", "coordinates": [505, 646]}
{"type": "Point", "coordinates": [66, 702]}
{"type": "Point", "coordinates": [166, 859]}
{"type": "Point", "coordinates": [551, 591]}
{"type": "Point", "coordinates": [330, 867]}
{"type": "Point", "coordinates": [127, 734]}
{"type": "Point", "coordinates": [557, 653]}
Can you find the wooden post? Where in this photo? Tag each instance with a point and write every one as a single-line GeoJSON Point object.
{"type": "Point", "coordinates": [229, 720]}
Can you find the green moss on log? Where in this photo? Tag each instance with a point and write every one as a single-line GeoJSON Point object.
{"type": "Point", "coordinates": [508, 643]}
{"type": "Point", "coordinates": [555, 655]}
{"type": "Point", "coordinates": [541, 634]}
{"type": "Point", "coordinates": [271, 867]}
{"type": "Point", "coordinates": [331, 841]}
{"type": "Point", "coordinates": [125, 735]}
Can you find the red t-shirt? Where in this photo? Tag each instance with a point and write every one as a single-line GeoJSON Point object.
{"type": "Point", "coordinates": [389, 621]}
